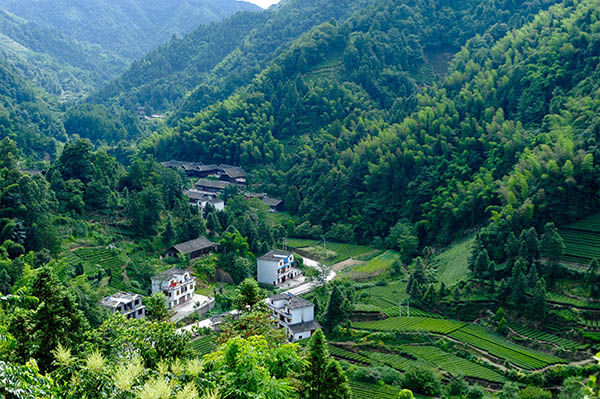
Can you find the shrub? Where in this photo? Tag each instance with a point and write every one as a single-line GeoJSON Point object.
{"type": "Point", "coordinates": [422, 379]}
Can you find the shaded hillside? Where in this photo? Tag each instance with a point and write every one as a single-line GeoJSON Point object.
{"type": "Point", "coordinates": [128, 27]}
{"type": "Point", "coordinates": [363, 150]}
{"type": "Point", "coordinates": [27, 116]}
{"type": "Point", "coordinates": [217, 59]}
{"type": "Point", "coordinates": [61, 66]}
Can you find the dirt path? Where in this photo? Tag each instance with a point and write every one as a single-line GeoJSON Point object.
{"type": "Point", "coordinates": [347, 263]}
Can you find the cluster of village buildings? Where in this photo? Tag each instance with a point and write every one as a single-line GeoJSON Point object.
{"type": "Point", "coordinates": [275, 268]}
{"type": "Point", "coordinates": [212, 181]}
{"type": "Point", "coordinates": [294, 314]}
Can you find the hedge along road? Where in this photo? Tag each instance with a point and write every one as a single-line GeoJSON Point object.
{"type": "Point", "coordinates": [299, 290]}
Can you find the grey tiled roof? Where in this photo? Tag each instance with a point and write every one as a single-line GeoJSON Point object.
{"type": "Point", "coordinates": [271, 255]}
{"type": "Point", "coordinates": [306, 326]}
{"type": "Point", "coordinates": [194, 245]}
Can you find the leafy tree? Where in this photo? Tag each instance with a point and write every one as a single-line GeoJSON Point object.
{"type": "Point", "coordinates": [339, 309]}
{"type": "Point", "coordinates": [405, 394]}
{"type": "Point", "coordinates": [422, 379]}
{"type": "Point", "coordinates": [323, 377]}
{"type": "Point", "coordinates": [55, 320]}
{"type": "Point", "coordinates": [510, 390]}
{"type": "Point", "coordinates": [402, 238]}
{"type": "Point", "coordinates": [572, 389]}
{"type": "Point", "coordinates": [538, 307]}
{"type": "Point", "coordinates": [532, 277]}
{"type": "Point", "coordinates": [502, 327]}
{"type": "Point", "coordinates": [553, 247]}
{"type": "Point", "coordinates": [529, 245]}
{"type": "Point", "coordinates": [482, 265]}
{"type": "Point", "coordinates": [533, 392]}
{"type": "Point", "coordinates": [246, 368]}
{"type": "Point", "coordinates": [248, 294]}
{"type": "Point", "coordinates": [144, 210]}
{"type": "Point", "coordinates": [156, 307]}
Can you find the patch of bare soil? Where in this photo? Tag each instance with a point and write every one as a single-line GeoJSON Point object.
{"type": "Point", "coordinates": [345, 264]}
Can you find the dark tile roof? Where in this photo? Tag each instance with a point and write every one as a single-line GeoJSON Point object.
{"type": "Point", "coordinates": [194, 245]}
{"type": "Point", "coordinates": [272, 202]}
{"type": "Point", "coordinates": [217, 184]}
{"type": "Point", "coordinates": [233, 171]}
{"type": "Point", "coordinates": [271, 255]}
{"type": "Point", "coordinates": [195, 195]}
{"type": "Point", "coordinates": [294, 301]}
{"type": "Point", "coordinates": [169, 274]}
{"type": "Point", "coordinates": [306, 326]}
{"type": "Point", "coordinates": [206, 168]}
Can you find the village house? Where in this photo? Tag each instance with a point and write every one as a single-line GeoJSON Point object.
{"type": "Point", "coordinates": [228, 173]}
{"type": "Point", "coordinates": [232, 174]}
{"type": "Point", "coordinates": [193, 248]}
{"type": "Point", "coordinates": [201, 199]}
{"type": "Point", "coordinates": [274, 204]}
{"type": "Point", "coordinates": [295, 314]}
{"type": "Point", "coordinates": [178, 285]}
{"type": "Point", "coordinates": [129, 305]}
{"type": "Point", "coordinates": [275, 267]}
{"type": "Point", "coordinates": [211, 186]}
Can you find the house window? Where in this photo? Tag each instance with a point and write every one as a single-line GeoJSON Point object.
{"type": "Point", "coordinates": [137, 302]}
{"type": "Point", "coordinates": [140, 311]}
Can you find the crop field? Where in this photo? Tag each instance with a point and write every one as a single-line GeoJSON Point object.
{"type": "Point", "coordinates": [392, 360]}
{"type": "Point", "coordinates": [566, 300]}
{"type": "Point", "coordinates": [202, 346]}
{"type": "Point", "coordinates": [342, 251]}
{"type": "Point", "coordinates": [386, 296]}
{"type": "Point", "coordinates": [452, 265]}
{"type": "Point", "coordinates": [427, 324]}
{"type": "Point", "coordinates": [378, 264]}
{"type": "Point", "coordinates": [500, 347]}
{"type": "Point", "coordinates": [542, 336]}
{"type": "Point", "coordinates": [348, 355]}
{"type": "Point", "coordinates": [368, 391]}
{"type": "Point", "coordinates": [582, 240]}
{"type": "Point", "coordinates": [453, 364]}
{"type": "Point", "coordinates": [94, 258]}
{"type": "Point", "coordinates": [301, 243]}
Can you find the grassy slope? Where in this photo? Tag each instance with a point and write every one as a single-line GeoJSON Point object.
{"type": "Point", "coordinates": [452, 263]}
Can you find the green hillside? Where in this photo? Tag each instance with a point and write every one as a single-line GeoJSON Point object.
{"type": "Point", "coordinates": [128, 28]}
{"type": "Point", "coordinates": [61, 66]}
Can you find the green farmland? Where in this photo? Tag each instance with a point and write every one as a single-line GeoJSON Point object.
{"type": "Point", "coordinates": [582, 240]}
{"type": "Point", "coordinates": [336, 251]}
{"type": "Point", "coordinates": [470, 334]}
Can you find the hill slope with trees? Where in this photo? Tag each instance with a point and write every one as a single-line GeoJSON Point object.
{"type": "Point", "coordinates": [128, 28]}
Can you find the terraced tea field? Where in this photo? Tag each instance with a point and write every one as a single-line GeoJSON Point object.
{"type": "Point", "coordinates": [502, 348]}
{"type": "Point", "coordinates": [582, 240]}
{"type": "Point", "coordinates": [102, 258]}
{"type": "Point", "coordinates": [470, 334]}
{"type": "Point", "coordinates": [453, 364]}
{"type": "Point", "coordinates": [348, 355]}
{"type": "Point", "coordinates": [368, 391]}
{"type": "Point", "coordinates": [545, 337]}
{"type": "Point", "coordinates": [202, 346]}
{"type": "Point", "coordinates": [427, 324]}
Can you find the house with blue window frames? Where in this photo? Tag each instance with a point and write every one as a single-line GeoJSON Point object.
{"type": "Point", "coordinates": [275, 268]}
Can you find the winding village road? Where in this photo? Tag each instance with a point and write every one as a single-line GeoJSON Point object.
{"type": "Point", "coordinates": [298, 290]}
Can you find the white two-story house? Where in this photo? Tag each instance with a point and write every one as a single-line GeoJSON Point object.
{"type": "Point", "coordinates": [275, 267]}
{"type": "Point", "coordinates": [178, 285]}
{"type": "Point", "coordinates": [295, 314]}
{"type": "Point", "coordinates": [129, 305]}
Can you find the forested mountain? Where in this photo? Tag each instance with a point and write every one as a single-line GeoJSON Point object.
{"type": "Point", "coordinates": [215, 60]}
{"type": "Point", "coordinates": [28, 116]}
{"type": "Point", "coordinates": [126, 27]}
{"type": "Point", "coordinates": [61, 66]}
{"type": "Point", "coordinates": [353, 137]}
